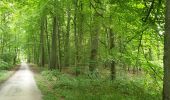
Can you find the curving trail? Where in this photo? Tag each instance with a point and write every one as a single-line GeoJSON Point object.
{"type": "Point", "coordinates": [21, 86]}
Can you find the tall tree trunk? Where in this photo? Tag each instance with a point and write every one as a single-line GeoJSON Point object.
{"type": "Point", "coordinates": [112, 46]}
{"type": "Point", "coordinates": [35, 49]}
{"type": "Point", "coordinates": [67, 39]}
{"type": "Point", "coordinates": [80, 33]}
{"type": "Point", "coordinates": [76, 37]}
{"type": "Point", "coordinates": [42, 56]}
{"type": "Point", "coordinates": [53, 60]}
{"type": "Point", "coordinates": [94, 43]}
{"type": "Point", "coordinates": [47, 40]}
{"type": "Point", "coordinates": [59, 48]}
{"type": "Point", "coordinates": [166, 80]}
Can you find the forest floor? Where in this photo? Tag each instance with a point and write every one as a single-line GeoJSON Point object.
{"type": "Point", "coordinates": [20, 86]}
{"type": "Point", "coordinates": [56, 85]}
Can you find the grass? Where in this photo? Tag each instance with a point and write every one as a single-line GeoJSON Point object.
{"type": "Point", "coordinates": [59, 86]}
{"type": "Point", "coordinates": [5, 74]}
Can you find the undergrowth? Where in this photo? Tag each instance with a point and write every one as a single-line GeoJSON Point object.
{"type": "Point", "coordinates": [57, 86]}
{"type": "Point", "coordinates": [4, 75]}
{"type": "Point", "coordinates": [4, 65]}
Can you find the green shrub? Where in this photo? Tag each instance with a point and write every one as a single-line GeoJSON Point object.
{"type": "Point", "coordinates": [8, 56]}
{"type": "Point", "coordinates": [4, 65]}
{"type": "Point", "coordinates": [84, 87]}
{"type": "Point", "coordinates": [51, 75]}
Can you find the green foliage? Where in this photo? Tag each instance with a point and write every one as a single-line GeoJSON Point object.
{"type": "Point", "coordinates": [4, 75]}
{"type": "Point", "coordinates": [84, 88]}
{"type": "Point", "coordinates": [4, 65]}
{"type": "Point", "coordinates": [50, 75]}
{"type": "Point", "coordinates": [137, 37]}
{"type": "Point", "coordinates": [6, 60]}
{"type": "Point", "coordinates": [7, 57]}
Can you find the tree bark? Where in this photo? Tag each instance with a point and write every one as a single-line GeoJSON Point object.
{"type": "Point", "coordinates": [94, 43]}
{"type": "Point", "coordinates": [53, 60]}
{"type": "Point", "coordinates": [42, 57]}
{"type": "Point", "coordinates": [47, 40]}
{"type": "Point", "coordinates": [80, 32]}
{"type": "Point", "coordinates": [59, 48]}
{"type": "Point", "coordinates": [112, 46]}
{"type": "Point", "coordinates": [76, 38]}
{"type": "Point", "coordinates": [67, 40]}
{"type": "Point", "coordinates": [166, 80]}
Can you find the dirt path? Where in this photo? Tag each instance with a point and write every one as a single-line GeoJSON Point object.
{"type": "Point", "coordinates": [21, 86]}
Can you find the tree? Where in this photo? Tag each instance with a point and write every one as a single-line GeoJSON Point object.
{"type": "Point", "coordinates": [67, 38]}
{"type": "Point", "coordinates": [42, 43]}
{"type": "Point", "coordinates": [94, 38]}
{"type": "Point", "coordinates": [166, 80]}
{"type": "Point", "coordinates": [53, 59]}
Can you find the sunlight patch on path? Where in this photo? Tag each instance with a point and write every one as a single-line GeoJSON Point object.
{"type": "Point", "coordinates": [21, 86]}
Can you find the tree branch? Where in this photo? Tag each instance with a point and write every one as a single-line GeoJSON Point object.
{"type": "Point", "coordinates": [149, 11]}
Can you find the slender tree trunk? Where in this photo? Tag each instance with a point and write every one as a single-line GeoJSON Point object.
{"type": "Point", "coordinates": [77, 60]}
{"type": "Point", "coordinates": [94, 43]}
{"type": "Point", "coordinates": [78, 30]}
{"type": "Point", "coordinates": [67, 40]}
{"type": "Point", "coordinates": [112, 46]}
{"type": "Point", "coordinates": [35, 48]}
{"type": "Point", "coordinates": [42, 56]}
{"type": "Point", "coordinates": [166, 80]}
{"type": "Point", "coordinates": [158, 48]}
{"type": "Point", "coordinates": [15, 57]}
{"type": "Point", "coordinates": [47, 40]}
{"type": "Point", "coordinates": [59, 48]}
{"type": "Point", "coordinates": [80, 33]}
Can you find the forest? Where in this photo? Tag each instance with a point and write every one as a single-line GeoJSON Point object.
{"type": "Point", "coordinates": [89, 49]}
